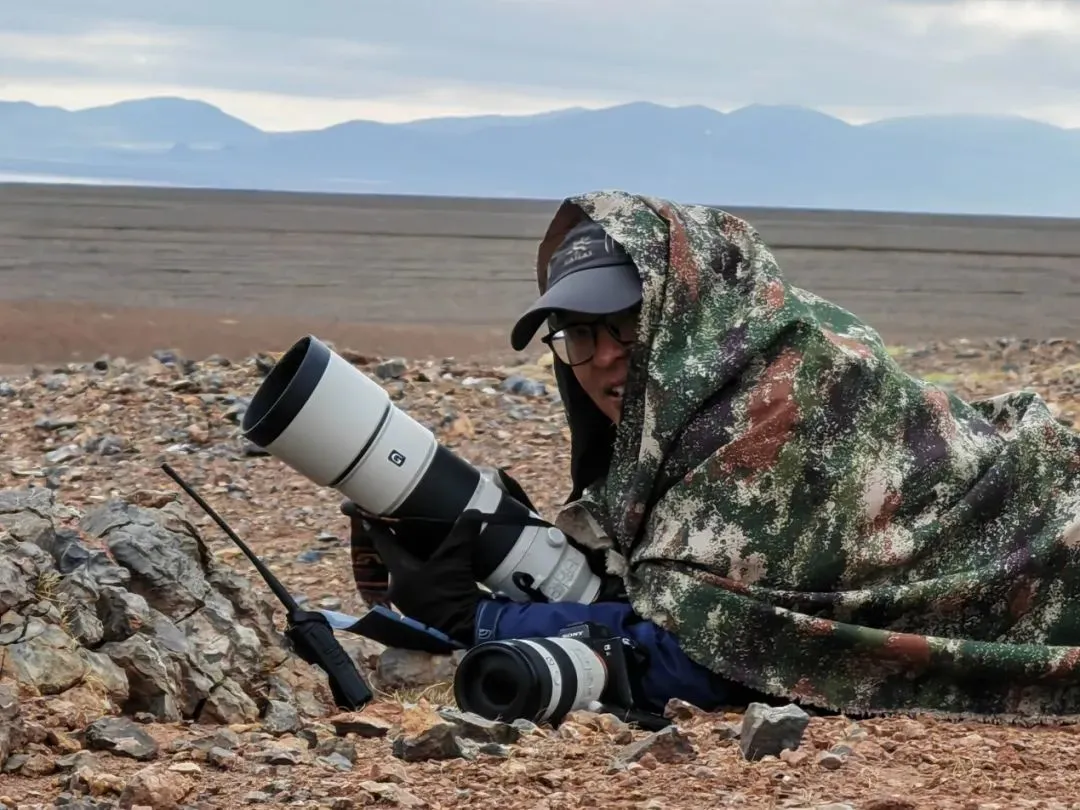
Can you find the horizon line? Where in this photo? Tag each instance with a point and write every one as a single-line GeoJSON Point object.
{"type": "Point", "coordinates": [77, 184]}
{"type": "Point", "coordinates": [855, 123]}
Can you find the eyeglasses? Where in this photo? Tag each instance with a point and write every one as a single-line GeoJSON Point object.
{"type": "Point", "coordinates": [575, 343]}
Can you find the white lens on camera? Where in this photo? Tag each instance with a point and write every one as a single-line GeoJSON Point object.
{"type": "Point", "coordinates": [539, 679]}
{"type": "Point", "coordinates": [589, 674]}
{"type": "Point", "coordinates": [334, 425]}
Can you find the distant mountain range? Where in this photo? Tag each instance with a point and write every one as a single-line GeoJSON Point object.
{"type": "Point", "coordinates": [755, 156]}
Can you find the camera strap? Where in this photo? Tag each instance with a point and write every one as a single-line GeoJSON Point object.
{"type": "Point", "coordinates": [468, 516]}
{"type": "Point", "coordinates": [613, 589]}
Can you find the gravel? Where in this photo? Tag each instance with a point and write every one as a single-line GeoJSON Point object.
{"type": "Point", "coordinates": [98, 573]}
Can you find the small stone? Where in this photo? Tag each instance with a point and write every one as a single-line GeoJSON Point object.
{"type": "Point", "coordinates": [474, 749]}
{"type": "Point", "coordinates": [682, 711]}
{"type": "Point", "coordinates": [38, 765]}
{"type": "Point", "coordinates": [855, 732]}
{"type": "Point", "coordinates": [360, 724]}
{"type": "Point", "coordinates": [727, 731]}
{"type": "Point", "coordinates": [388, 772]}
{"type": "Point", "coordinates": [478, 728]}
{"type": "Point", "coordinates": [910, 730]}
{"type": "Point", "coordinates": [97, 783]}
{"type": "Point", "coordinates": [62, 455]}
{"type": "Point", "coordinates": [277, 787]}
{"type": "Point", "coordinates": [221, 757]}
{"type": "Point", "coordinates": [12, 724]}
{"type": "Point", "coordinates": [277, 755]}
{"type": "Point", "coordinates": [119, 735]}
{"type": "Point", "coordinates": [56, 423]}
{"type": "Point", "coordinates": [669, 746]}
{"type": "Point", "coordinates": [794, 758]}
{"type": "Point", "coordinates": [224, 738]}
{"type": "Point", "coordinates": [830, 760]}
{"type": "Point", "coordinates": [106, 445]}
{"type": "Point", "coordinates": [553, 779]}
{"type": "Point", "coordinates": [437, 741]}
{"type": "Point", "coordinates": [185, 768]}
{"type": "Point", "coordinates": [390, 369]}
{"type": "Point", "coordinates": [15, 762]}
{"type": "Point", "coordinates": [392, 794]}
{"type": "Point", "coordinates": [280, 718]}
{"type": "Point", "coordinates": [523, 386]}
{"type": "Point", "coordinates": [572, 731]}
{"type": "Point", "coordinates": [252, 450]}
{"type": "Point", "coordinates": [156, 786]}
{"type": "Point", "coordinates": [768, 730]}
{"type": "Point", "coordinates": [62, 742]}
{"type": "Point", "coordinates": [78, 760]}
{"type": "Point", "coordinates": [335, 761]}
{"type": "Point", "coordinates": [528, 728]}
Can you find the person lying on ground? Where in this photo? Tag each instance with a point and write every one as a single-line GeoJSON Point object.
{"type": "Point", "coordinates": [790, 514]}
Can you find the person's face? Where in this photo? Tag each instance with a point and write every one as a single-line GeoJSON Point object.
{"type": "Point", "coordinates": [598, 351]}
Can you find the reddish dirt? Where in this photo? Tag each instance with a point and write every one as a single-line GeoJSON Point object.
{"type": "Point", "coordinates": [43, 331]}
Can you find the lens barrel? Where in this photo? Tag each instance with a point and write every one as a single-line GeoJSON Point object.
{"type": "Point", "coordinates": [337, 427]}
{"type": "Point", "coordinates": [539, 679]}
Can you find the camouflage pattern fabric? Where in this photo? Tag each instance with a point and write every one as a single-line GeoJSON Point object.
{"type": "Point", "coordinates": [810, 520]}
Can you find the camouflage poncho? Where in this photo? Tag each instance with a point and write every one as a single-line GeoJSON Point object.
{"type": "Point", "coordinates": [808, 519]}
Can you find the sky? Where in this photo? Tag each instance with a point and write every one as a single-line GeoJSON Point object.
{"type": "Point", "coordinates": [289, 65]}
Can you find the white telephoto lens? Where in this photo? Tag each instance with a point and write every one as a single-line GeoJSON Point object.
{"type": "Point", "coordinates": [337, 427]}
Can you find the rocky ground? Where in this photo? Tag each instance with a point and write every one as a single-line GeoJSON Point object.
{"type": "Point", "coordinates": [141, 663]}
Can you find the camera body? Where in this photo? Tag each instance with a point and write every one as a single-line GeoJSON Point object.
{"type": "Point", "coordinates": [585, 666]}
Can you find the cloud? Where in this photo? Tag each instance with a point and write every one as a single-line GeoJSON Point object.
{"type": "Point", "coordinates": [858, 58]}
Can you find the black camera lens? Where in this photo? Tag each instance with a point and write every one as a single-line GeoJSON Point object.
{"type": "Point", "coordinates": [501, 680]}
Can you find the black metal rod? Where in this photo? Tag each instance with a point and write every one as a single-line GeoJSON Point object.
{"type": "Point", "coordinates": [275, 585]}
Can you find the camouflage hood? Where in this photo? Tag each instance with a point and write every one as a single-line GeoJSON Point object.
{"type": "Point", "coordinates": [809, 520]}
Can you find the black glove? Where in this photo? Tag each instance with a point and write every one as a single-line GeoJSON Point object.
{"type": "Point", "coordinates": [440, 591]}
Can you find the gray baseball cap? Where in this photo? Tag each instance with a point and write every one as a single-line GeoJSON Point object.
{"type": "Point", "coordinates": [590, 273]}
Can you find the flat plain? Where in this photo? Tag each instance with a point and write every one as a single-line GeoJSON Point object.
{"type": "Point", "coordinates": [86, 271]}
